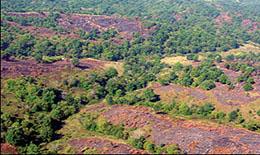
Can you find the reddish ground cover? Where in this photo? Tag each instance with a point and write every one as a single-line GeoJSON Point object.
{"type": "Point", "coordinates": [30, 67]}
{"type": "Point", "coordinates": [8, 149]}
{"type": "Point", "coordinates": [74, 22]}
{"type": "Point", "coordinates": [221, 93]}
{"type": "Point", "coordinates": [223, 18]}
{"type": "Point", "coordinates": [103, 146]}
{"type": "Point", "coordinates": [192, 137]}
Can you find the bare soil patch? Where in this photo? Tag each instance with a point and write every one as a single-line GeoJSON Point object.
{"type": "Point", "coordinates": [223, 18]}
{"type": "Point", "coordinates": [8, 149]}
{"type": "Point", "coordinates": [192, 137]}
{"type": "Point", "coordinates": [103, 146]}
{"type": "Point", "coordinates": [15, 68]}
{"type": "Point", "coordinates": [222, 94]}
{"type": "Point", "coordinates": [167, 93]}
{"type": "Point", "coordinates": [74, 22]}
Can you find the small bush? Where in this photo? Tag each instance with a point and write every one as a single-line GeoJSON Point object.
{"type": "Point", "coordinates": [248, 87]}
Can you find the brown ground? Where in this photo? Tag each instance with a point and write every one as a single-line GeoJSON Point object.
{"type": "Point", "coordinates": [43, 32]}
{"type": "Point", "coordinates": [8, 149]}
{"type": "Point", "coordinates": [222, 94]}
{"type": "Point", "coordinates": [74, 22]}
{"type": "Point", "coordinates": [223, 18]}
{"type": "Point", "coordinates": [30, 67]}
{"type": "Point", "coordinates": [192, 137]}
{"type": "Point", "coordinates": [103, 146]}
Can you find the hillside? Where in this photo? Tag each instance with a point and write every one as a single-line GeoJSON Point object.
{"type": "Point", "coordinates": [130, 76]}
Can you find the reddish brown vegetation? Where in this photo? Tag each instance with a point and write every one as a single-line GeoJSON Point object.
{"type": "Point", "coordinates": [42, 31]}
{"type": "Point", "coordinates": [74, 22]}
{"type": "Point", "coordinates": [102, 146]}
{"type": "Point", "coordinates": [30, 67]}
{"type": "Point", "coordinates": [223, 18]}
{"type": "Point", "coordinates": [192, 137]}
{"type": "Point", "coordinates": [251, 24]}
{"type": "Point", "coordinates": [124, 26]}
{"type": "Point", "coordinates": [176, 90]}
{"type": "Point", "coordinates": [8, 149]}
{"type": "Point", "coordinates": [232, 97]}
{"type": "Point", "coordinates": [221, 93]}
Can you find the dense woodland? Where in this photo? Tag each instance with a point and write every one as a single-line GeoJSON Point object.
{"type": "Point", "coordinates": [181, 27]}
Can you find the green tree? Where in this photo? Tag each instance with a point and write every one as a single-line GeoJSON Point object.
{"type": "Point", "coordinates": [223, 79]}
{"type": "Point", "coordinates": [14, 135]}
{"type": "Point", "coordinates": [75, 61]}
{"type": "Point", "coordinates": [149, 95]}
{"type": "Point", "coordinates": [184, 109]}
{"type": "Point", "coordinates": [248, 87]}
{"type": "Point", "coordinates": [139, 142]}
{"type": "Point", "coordinates": [193, 57]}
{"type": "Point", "coordinates": [233, 115]}
{"type": "Point", "coordinates": [207, 85]}
{"type": "Point", "coordinates": [32, 149]}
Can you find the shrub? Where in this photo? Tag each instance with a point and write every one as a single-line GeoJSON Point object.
{"type": "Point", "coordinates": [252, 125]}
{"type": "Point", "coordinates": [220, 116]}
{"type": "Point", "coordinates": [173, 149]}
{"type": "Point", "coordinates": [75, 61]}
{"type": "Point", "coordinates": [206, 109]}
{"type": "Point", "coordinates": [233, 115]}
{"type": "Point", "coordinates": [258, 112]}
{"type": "Point", "coordinates": [184, 109]}
{"type": "Point", "coordinates": [32, 149]}
{"type": "Point", "coordinates": [207, 85]}
{"type": "Point", "coordinates": [149, 147]}
{"type": "Point", "coordinates": [139, 142]}
{"type": "Point", "coordinates": [194, 57]}
{"type": "Point", "coordinates": [248, 87]}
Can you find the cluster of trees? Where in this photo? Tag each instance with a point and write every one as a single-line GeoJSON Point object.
{"type": "Point", "coordinates": [205, 111]}
{"type": "Point", "coordinates": [132, 98]}
{"type": "Point", "coordinates": [95, 123]}
{"type": "Point", "coordinates": [49, 22]}
{"type": "Point", "coordinates": [182, 26]}
{"type": "Point", "coordinates": [204, 76]}
{"type": "Point", "coordinates": [246, 75]}
{"type": "Point", "coordinates": [251, 57]}
{"type": "Point", "coordinates": [42, 111]}
{"type": "Point", "coordinates": [143, 143]}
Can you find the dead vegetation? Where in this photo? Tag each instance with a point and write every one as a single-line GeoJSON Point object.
{"type": "Point", "coordinates": [191, 136]}
{"type": "Point", "coordinates": [102, 146]}
{"type": "Point", "coordinates": [75, 22]}
{"type": "Point", "coordinates": [29, 67]}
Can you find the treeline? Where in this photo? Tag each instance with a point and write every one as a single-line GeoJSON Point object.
{"type": "Point", "coordinates": [182, 26]}
{"type": "Point", "coordinates": [205, 111]}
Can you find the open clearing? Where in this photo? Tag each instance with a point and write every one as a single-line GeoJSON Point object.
{"type": "Point", "coordinates": [15, 68]}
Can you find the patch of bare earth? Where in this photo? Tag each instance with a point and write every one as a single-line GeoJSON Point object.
{"type": "Point", "coordinates": [167, 93]}
{"type": "Point", "coordinates": [15, 68]}
{"type": "Point", "coordinates": [223, 18]}
{"type": "Point", "coordinates": [8, 149]}
{"type": "Point", "coordinates": [192, 137]}
{"type": "Point", "coordinates": [42, 31]}
{"type": "Point", "coordinates": [233, 97]}
{"type": "Point", "coordinates": [74, 22]}
{"type": "Point", "coordinates": [103, 146]}
{"type": "Point", "coordinates": [222, 94]}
